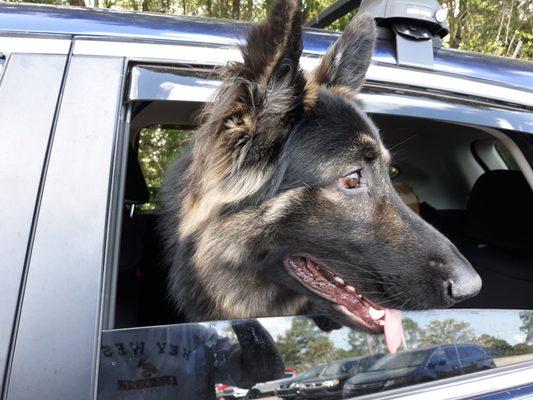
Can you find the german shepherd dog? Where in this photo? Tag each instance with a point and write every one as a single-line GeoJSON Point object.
{"type": "Point", "coordinates": [283, 202]}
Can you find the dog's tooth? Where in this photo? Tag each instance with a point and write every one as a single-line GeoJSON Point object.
{"type": "Point", "coordinates": [376, 314]}
{"type": "Point", "coordinates": [340, 281]}
{"type": "Point", "coordinates": [381, 322]}
{"type": "Point", "coordinates": [351, 289]}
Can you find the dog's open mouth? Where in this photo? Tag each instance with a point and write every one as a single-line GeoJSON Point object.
{"type": "Point", "coordinates": [356, 308]}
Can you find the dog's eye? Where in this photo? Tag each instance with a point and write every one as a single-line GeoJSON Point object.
{"type": "Point", "coordinates": [351, 181]}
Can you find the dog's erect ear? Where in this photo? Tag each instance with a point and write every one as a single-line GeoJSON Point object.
{"type": "Point", "coordinates": [236, 148]}
{"type": "Point", "coordinates": [344, 66]}
{"type": "Point", "coordinates": [260, 97]}
{"type": "Point", "coordinates": [274, 47]}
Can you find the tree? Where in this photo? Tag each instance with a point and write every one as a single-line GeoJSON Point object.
{"type": "Point", "coordinates": [412, 333]}
{"type": "Point", "coordinates": [494, 345]}
{"type": "Point", "coordinates": [447, 331]}
{"type": "Point", "coordinates": [304, 345]}
{"type": "Point", "coordinates": [499, 27]}
{"type": "Point", "coordinates": [527, 325]}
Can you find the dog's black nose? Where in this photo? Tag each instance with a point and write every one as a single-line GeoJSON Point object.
{"type": "Point", "coordinates": [464, 282]}
{"type": "Point", "coordinates": [464, 288]}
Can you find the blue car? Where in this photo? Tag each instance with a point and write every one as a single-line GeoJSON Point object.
{"type": "Point", "coordinates": [417, 366]}
{"type": "Point", "coordinates": [86, 95]}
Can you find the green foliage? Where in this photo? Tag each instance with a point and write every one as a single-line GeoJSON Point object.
{"type": "Point", "coordinates": [157, 147]}
{"type": "Point", "coordinates": [498, 27]}
{"type": "Point", "coordinates": [304, 345]}
{"type": "Point", "coordinates": [446, 331]}
{"type": "Point", "coordinates": [527, 325]}
{"type": "Point", "coordinates": [498, 346]}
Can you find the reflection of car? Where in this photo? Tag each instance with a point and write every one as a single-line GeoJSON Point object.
{"type": "Point", "coordinates": [268, 388]}
{"type": "Point", "coordinates": [415, 366]}
{"type": "Point", "coordinates": [229, 392]}
{"type": "Point", "coordinates": [291, 387]}
{"type": "Point", "coordinates": [330, 382]}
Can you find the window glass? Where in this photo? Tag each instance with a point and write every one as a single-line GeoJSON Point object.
{"type": "Point", "coordinates": [198, 360]}
{"type": "Point", "coordinates": [401, 360]}
{"type": "Point", "coordinates": [451, 353]}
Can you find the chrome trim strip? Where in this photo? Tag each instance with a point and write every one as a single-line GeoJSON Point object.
{"type": "Point", "coordinates": [462, 387]}
{"type": "Point", "coordinates": [38, 45]}
{"type": "Point", "coordinates": [182, 53]}
{"type": "Point", "coordinates": [190, 54]}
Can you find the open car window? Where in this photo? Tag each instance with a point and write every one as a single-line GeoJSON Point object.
{"type": "Point", "coordinates": [150, 350]}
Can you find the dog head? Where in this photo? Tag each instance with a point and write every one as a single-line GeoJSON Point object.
{"type": "Point", "coordinates": [288, 184]}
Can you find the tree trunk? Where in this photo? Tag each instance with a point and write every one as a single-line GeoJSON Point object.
{"type": "Point", "coordinates": [77, 3]}
{"type": "Point", "coordinates": [236, 9]}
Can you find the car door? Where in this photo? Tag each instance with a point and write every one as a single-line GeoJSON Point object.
{"type": "Point", "coordinates": [55, 342]}
{"type": "Point", "coordinates": [31, 78]}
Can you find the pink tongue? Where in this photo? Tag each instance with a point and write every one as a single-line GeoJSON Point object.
{"type": "Point", "coordinates": [393, 329]}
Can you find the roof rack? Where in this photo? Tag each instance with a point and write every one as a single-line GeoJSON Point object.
{"type": "Point", "coordinates": [416, 25]}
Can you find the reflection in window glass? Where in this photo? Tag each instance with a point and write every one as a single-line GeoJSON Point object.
{"type": "Point", "coordinates": [227, 358]}
{"type": "Point", "coordinates": [401, 360]}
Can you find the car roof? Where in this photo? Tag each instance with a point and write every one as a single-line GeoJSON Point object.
{"type": "Point", "coordinates": [46, 19]}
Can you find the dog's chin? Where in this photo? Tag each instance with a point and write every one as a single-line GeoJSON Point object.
{"type": "Point", "coordinates": [350, 307]}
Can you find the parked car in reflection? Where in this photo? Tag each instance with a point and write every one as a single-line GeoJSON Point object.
{"type": "Point", "coordinates": [227, 392]}
{"type": "Point", "coordinates": [329, 384]}
{"type": "Point", "coordinates": [416, 366]}
{"type": "Point", "coordinates": [291, 388]}
{"type": "Point", "coordinates": [264, 389]}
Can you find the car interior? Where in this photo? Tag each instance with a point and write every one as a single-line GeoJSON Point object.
{"type": "Point", "coordinates": [462, 180]}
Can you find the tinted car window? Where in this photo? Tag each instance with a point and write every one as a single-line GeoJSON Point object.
{"type": "Point", "coordinates": [451, 353]}
{"type": "Point", "coordinates": [339, 369]}
{"type": "Point", "coordinates": [401, 360]}
{"type": "Point", "coordinates": [470, 353]}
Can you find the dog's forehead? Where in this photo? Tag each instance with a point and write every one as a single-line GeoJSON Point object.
{"type": "Point", "coordinates": [347, 124]}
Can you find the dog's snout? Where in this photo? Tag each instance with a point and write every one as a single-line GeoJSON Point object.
{"type": "Point", "coordinates": [462, 281]}
{"type": "Point", "coordinates": [463, 288]}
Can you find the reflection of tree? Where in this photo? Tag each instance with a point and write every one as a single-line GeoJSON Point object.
{"type": "Point", "coordinates": [412, 333]}
{"type": "Point", "coordinates": [495, 346]}
{"type": "Point", "coordinates": [527, 325]}
{"type": "Point", "coordinates": [304, 345]}
{"type": "Point", "coordinates": [446, 331]}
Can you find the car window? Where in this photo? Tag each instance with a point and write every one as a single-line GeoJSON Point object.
{"type": "Point", "coordinates": [312, 372]}
{"type": "Point", "coordinates": [192, 358]}
{"type": "Point", "coordinates": [338, 369]}
{"type": "Point", "coordinates": [153, 348]}
{"type": "Point", "coordinates": [401, 360]}
{"type": "Point", "coordinates": [437, 357]}
{"type": "Point", "coordinates": [469, 352]}
{"type": "Point", "coordinates": [451, 353]}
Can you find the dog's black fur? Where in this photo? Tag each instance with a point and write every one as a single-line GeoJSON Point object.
{"type": "Point", "coordinates": [261, 184]}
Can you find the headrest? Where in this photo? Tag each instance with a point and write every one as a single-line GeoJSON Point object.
{"type": "Point", "coordinates": [408, 196]}
{"type": "Point", "coordinates": [500, 210]}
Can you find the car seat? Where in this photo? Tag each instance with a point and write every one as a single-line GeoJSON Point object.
{"type": "Point", "coordinates": [498, 240]}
